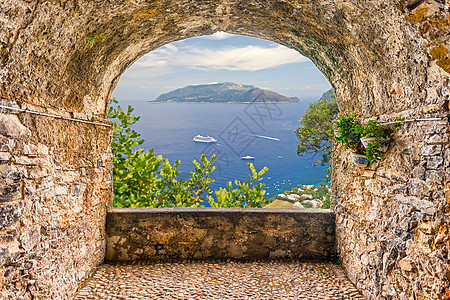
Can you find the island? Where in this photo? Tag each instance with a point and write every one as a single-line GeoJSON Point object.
{"type": "Point", "coordinates": [226, 92]}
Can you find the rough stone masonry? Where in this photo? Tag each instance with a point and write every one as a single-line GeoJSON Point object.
{"type": "Point", "coordinates": [228, 233]}
{"type": "Point", "coordinates": [383, 58]}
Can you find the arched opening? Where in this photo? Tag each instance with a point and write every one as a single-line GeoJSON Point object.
{"type": "Point", "coordinates": [244, 124]}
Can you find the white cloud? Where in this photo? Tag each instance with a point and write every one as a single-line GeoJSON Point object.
{"type": "Point", "coordinates": [219, 35]}
{"type": "Point", "coordinates": [247, 58]}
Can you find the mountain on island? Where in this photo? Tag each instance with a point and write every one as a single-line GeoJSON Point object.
{"type": "Point", "coordinates": [226, 92]}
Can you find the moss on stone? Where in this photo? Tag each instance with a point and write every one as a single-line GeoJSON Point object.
{"type": "Point", "coordinates": [417, 15]}
{"type": "Point", "coordinates": [444, 64]}
{"type": "Point", "coordinates": [439, 52]}
{"type": "Point", "coordinates": [443, 22]}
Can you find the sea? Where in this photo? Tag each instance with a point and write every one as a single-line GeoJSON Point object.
{"type": "Point", "coordinates": [262, 130]}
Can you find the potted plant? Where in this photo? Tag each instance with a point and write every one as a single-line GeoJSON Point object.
{"type": "Point", "coordinates": [370, 132]}
{"type": "Point", "coordinates": [347, 132]}
{"type": "Point", "coordinates": [346, 129]}
{"type": "Point", "coordinates": [374, 139]}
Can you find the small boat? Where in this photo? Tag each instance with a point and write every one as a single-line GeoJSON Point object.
{"type": "Point", "coordinates": [280, 157]}
{"type": "Point", "coordinates": [204, 139]}
{"type": "Point", "coordinates": [248, 157]}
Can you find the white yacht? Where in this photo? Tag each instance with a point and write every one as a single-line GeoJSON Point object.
{"type": "Point", "coordinates": [248, 157]}
{"type": "Point", "coordinates": [204, 139]}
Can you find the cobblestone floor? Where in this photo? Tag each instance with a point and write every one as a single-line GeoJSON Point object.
{"type": "Point", "coordinates": [219, 280]}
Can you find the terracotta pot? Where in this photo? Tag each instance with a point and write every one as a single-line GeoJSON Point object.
{"type": "Point", "coordinates": [366, 140]}
{"type": "Point", "coordinates": [359, 159]}
{"type": "Point", "coordinates": [383, 143]}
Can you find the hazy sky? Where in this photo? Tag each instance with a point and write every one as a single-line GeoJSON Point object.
{"type": "Point", "coordinates": [221, 58]}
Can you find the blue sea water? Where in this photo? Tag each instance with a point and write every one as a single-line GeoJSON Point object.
{"type": "Point", "coordinates": [241, 129]}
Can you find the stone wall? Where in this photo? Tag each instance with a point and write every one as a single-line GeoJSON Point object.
{"type": "Point", "coordinates": [393, 221]}
{"type": "Point", "coordinates": [250, 234]}
{"type": "Point", "coordinates": [393, 217]}
{"type": "Point", "coordinates": [54, 179]}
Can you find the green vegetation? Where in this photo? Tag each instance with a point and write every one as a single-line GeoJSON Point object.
{"type": "Point", "coordinates": [316, 133]}
{"type": "Point", "coordinates": [95, 35]}
{"type": "Point", "coordinates": [248, 193]}
{"type": "Point", "coordinates": [348, 133]}
{"type": "Point", "coordinates": [303, 196]}
{"type": "Point", "coordinates": [142, 179]}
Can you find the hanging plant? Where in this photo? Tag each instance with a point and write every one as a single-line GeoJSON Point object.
{"type": "Point", "coordinates": [373, 152]}
{"type": "Point", "coordinates": [375, 139]}
{"type": "Point", "coordinates": [347, 132]}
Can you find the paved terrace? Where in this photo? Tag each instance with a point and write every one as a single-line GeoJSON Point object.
{"type": "Point", "coordinates": [219, 280]}
{"type": "Point", "coordinates": [219, 254]}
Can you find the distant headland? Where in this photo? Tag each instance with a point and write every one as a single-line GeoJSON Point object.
{"type": "Point", "coordinates": [226, 92]}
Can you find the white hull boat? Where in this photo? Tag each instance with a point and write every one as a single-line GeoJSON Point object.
{"type": "Point", "coordinates": [248, 157]}
{"type": "Point", "coordinates": [204, 139]}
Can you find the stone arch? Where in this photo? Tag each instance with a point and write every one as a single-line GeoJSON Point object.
{"type": "Point", "coordinates": [383, 58]}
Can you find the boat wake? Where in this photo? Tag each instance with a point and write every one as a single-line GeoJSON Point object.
{"type": "Point", "coordinates": [266, 137]}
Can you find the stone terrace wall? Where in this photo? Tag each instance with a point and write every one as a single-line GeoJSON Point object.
{"type": "Point", "coordinates": [166, 234]}
{"type": "Point", "coordinates": [54, 179]}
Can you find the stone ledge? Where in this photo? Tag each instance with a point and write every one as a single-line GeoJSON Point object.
{"type": "Point", "coordinates": [220, 233]}
{"type": "Point", "coordinates": [210, 210]}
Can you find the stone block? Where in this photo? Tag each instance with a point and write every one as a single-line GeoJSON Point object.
{"type": "Point", "coordinates": [368, 173]}
{"type": "Point", "coordinates": [10, 125]}
{"type": "Point", "coordinates": [447, 193]}
{"type": "Point", "coordinates": [419, 172]}
{"type": "Point", "coordinates": [8, 145]}
{"type": "Point", "coordinates": [434, 162]}
{"type": "Point", "coordinates": [10, 235]}
{"type": "Point", "coordinates": [434, 176]}
{"type": "Point", "coordinates": [61, 190]}
{"type": "Point", "coordinates": [10, 213]}
{"type": "Point", "coordinates": [417, 187]}
{"type": "Point", "coordinates": [42, 150]}
{"type": "Point", "coordinates": [79, 189]}
{"type": "Point", "coordinates": [30, 238]}
{"type": "Point", "coordinates": [438, 139]}
{"type": "Point", "coordinates": [4, 157]}
{"type": "Point", "coordinates": [364, 259]}
{"type": "Point", "coordinates": [439, 52]}
{"type": "Point", "coordinates": [14, 174]}
{"type": "Point", "coordinates": [417, 15]}
{"type": "Point", "coordinates": [431, 150]}
{"type": "Point", "coordinates": [9, 190]}
{"type": "Point", "coordinates": [5, 256]}
{"type": "Point", "coordinates": [26, 161]}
